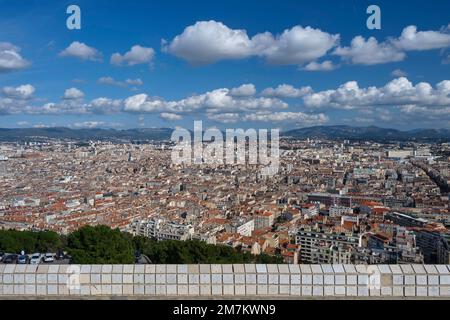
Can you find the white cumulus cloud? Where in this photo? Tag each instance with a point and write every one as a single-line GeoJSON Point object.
{"type": "Point", "coordinates": [286, 91]}
{"type": "Point", "coordinates": [211, 41]}
{"type": "Point", "coordinates": [413, 40]}
{"type": "Point", "coordinates": [228, 117]}
{"type": "Point", "coordinates": [170, 116]}
{"type": "Point", "coordinates": [105, 105]}
{"type": "Point", "coordinates": [320, 66]}
{"type": "Point", "coordinates": [73, 93]}
{"type": "Point", "coordinates": [10, 58]}
{"type": "Point", "coordinates": [81, 51]}
{"type": "Point", "coordinates": [244, 90]}
{"type": "Point", "coordinates": [113, 82]}
{"type": "Point", "coordinates": [293, 117]}
{"type": "Point", "coordinates": [398, 92]}
{"type": "Point", "coordinates": [136, 55]}
{"type": "Point", "coordinates": [215, 101]}
{"type": "Point", "coordinates": [23, 92]}
{"type": "Point", "coordinates": [369, 52]}
{"type": "Point", "coordinates": [295, 46]}
{"type": "Point", "coordinates": [135, 82]}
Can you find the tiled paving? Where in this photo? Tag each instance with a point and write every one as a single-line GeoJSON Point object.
{"type": "Point", "coordinates": [246, 280]}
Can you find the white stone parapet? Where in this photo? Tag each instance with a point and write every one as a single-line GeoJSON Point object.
{"type": "Point", "coordinates": [226, 280]}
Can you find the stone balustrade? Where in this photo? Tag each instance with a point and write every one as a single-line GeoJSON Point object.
{"type": "Point", "coordinates": [226, 280]}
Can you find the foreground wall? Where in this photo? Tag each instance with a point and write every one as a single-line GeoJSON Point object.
{"type": "Point", "coordinates": [227, 280]}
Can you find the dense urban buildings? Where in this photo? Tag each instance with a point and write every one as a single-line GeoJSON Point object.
{"type": "Point", "coordinates": [331, 201]}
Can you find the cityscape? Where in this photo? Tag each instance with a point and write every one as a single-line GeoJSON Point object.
{"type": "Point", "coordinates": [343, 202]}
{"type": "Point", "coordinates": [282, 150]}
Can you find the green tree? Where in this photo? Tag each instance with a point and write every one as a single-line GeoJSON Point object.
{"type": "Point", "coordinates": [100, 245]}
{"type": "Point", "coordinates": [48, 241]}
{"type": "Point", "coordinates": [194, 251]}
{"type": "Point", "coordinates": [43, 241]}
{"type": "Point", "coordinates": [14, 241]}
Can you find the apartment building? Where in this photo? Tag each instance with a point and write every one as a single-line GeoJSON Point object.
{"type": "Point", "coordinates": [161, 229]}
{"type": "Point", "coordinates": [337, 211]}
{"type": "Point", "coordinates": [264, 220]}
{"type": "Point", "coordinates": [242, 226]}
{"type": "Point", "coordinates": [318, 246]}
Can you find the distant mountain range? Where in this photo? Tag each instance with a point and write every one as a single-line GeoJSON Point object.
{"type": "Point", "coordinates": [369, 133]}
{"type": "Point", "coordinates": [36, 134]}
{"type": "Point", "coordinates": [340, 132]}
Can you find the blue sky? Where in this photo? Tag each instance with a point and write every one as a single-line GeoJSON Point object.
{"type": "Point", "coordinates": [264, 64]}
